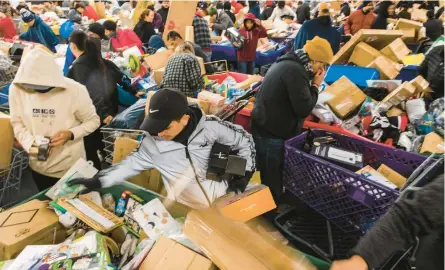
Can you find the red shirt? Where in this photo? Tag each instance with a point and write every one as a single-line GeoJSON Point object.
{"type": "Point", "coordinates": [7, 28]}
{"type": "Point", "coordinates": [126, 38]}
{"type": "Point", "coordinates": [248, 52]}
{"type": "Point", "coordinates": [90, 13]}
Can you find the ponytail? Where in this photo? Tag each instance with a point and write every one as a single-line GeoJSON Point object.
{"type": "Point", "coordinates": [89, 47]}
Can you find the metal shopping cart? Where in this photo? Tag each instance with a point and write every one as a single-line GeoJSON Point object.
{"type": "Point", "coordinates": [6, 77]}
{"type": "Point", "coordinates": [110, 135]}
{"type": "Point", "coordinates": [10, 178]}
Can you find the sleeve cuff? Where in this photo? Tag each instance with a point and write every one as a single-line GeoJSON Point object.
{"type": "Point", "coordinates": [77, 133]}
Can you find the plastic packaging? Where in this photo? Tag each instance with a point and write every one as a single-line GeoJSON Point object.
{"type": "Point", "coordinates": [131, 117]}
{"type": "Point", "coordinates": [368, 107]}
{"type": "Point", "coordinates": [108, 202]}
{"type": "Point", "coordinates": [415, 109]}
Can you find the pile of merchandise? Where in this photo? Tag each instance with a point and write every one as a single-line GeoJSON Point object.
{"type": "Point", "coordinates": [399, 113]}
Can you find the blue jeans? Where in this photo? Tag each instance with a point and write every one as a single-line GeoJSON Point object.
{"type": "Point", "coordinates": [246, 67]}
{"type": "Point", "coordinates": [270, 161]}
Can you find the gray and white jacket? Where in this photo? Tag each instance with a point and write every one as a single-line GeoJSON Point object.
{"type": "Point", "coordinates": [170, 159]}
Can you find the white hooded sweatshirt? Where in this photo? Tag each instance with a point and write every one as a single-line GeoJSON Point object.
{"type": "Point", "coordinates": [35, 115]}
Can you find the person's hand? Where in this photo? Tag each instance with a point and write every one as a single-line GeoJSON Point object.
{"type": "Point", "coordinates": [258, 22]}
{"type": "Point", "coordinates": [319, 76]}
{"type": "Point", "coordinates": [90, 184]}
{"type": "Point", "coordinates": [60, 138]}
{"type": "Point", "coordinates": [354, 263]}
{"type": "Point", "coordinates": [211, 25]}
{"type": "Point", "coordinates": [140, 94]}
{"type": "Point", "coordinates": [16, 37]}
{"type": "Point", "coordinates": [238, 184]}
{"type": "Point", "coordinates": [108, 120]}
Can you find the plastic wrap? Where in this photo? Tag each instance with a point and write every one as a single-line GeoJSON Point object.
{"type": "Point", "coordinates": [415, 109]}
{"type": "Point", "coordinates": [216, 101]}
{"type": "Point", "coordinates": [235, 246]}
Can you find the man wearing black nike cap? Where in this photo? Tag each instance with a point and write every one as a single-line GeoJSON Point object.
{"type": "Point", "coordinates": [178, 142]}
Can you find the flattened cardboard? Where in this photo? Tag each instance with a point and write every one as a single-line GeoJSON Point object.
{"type": "Point", "coordinates": [158, 60]}
{"type": "Point", "coordinates": [403, 92]}
{"type": "Point", "coordinates": [387, 68]}
{"type": "Point", "coordinates": [363, 55]}
{"type": "Point", "coordinates": [247, 205]}
{"type": "Point", "coordinates": [375, 38]}
{"type": "Point", "coordinates": [168, 254]}
{"type": "Point", "coordinates": [6, 141]}
{"type": "Point", "coordinates": [421, 84]}
{"type": "Point", "coordinates": [180, 15]}
{"type": "Point", "coordinates": [408, 24]}
{"type": "Point", "coordinates": [396, 50]}
{"type": "Point", "coordinates": [27, 224]}
{"type": "Point", "coordinates": [419, 15]}
{"type": "Point", "coordinates": [431, 144]}
{"type": "Point", "coordinates": [159, 75]}
{"type": "Point", "coordinates": [409, 35]}
{"type": "Point", "coordinates": [347, 97]}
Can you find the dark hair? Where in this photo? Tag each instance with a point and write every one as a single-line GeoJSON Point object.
{"type": "Point", "coordinates": [110, 25]}
{"type": "Point", "coordinates": [430, 14]}
{"type": "Point", "coordinates": [243, 3]}
{"type": "Point", "coordinates": [144, 14]}
{"type": "Point", "coordinates": [151, 7]}
{"type": "Point", "coordinates": [84, 43]}
{"type": "Point", "coordinates": [281, 4]}
{"type": "Point", "coordinates": [219, 5]}
{"type": "Point", "coordinates": [79, 5]}
{"type": "Point", "coordinates": [173, 35]}
{"type": "Point", "coordinates": [227, 6]}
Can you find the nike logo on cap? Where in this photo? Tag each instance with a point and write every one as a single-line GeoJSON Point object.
{"type": "Point", "coordinates": [153, 111]}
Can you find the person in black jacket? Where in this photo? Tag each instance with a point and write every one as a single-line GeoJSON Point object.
{"type": "Point", "coordinates": [287, 96]}
{"type": "Point", "coordinates": [345, 9]}
{"type": "Point", "coordinates": [303, 12]}
{"type": "Point", "coordinates": [433, 27]}
{"type": "Point", "coordinates": [404, 14]}
{"type": "Point", "coordinates": [100, 77]}
{"type": "Point", "coordinates": [144, 28]}
{"type": "Point", "coordinates": [228, 10]}
{"type": "Point", "coordinates": [163, 11]}
{"type": "Point", "coordinates": [420, 215]}
{"type": "Point", "coordinates": [384, 11]}
{"type": "Point", "coordinates": [432, 69]}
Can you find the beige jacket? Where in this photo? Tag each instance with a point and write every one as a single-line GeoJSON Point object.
{"type": "Point", "coordinates": [35, 115]}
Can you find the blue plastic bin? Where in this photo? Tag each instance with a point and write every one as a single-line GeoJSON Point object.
{"type": "Point", "coordinates": [269, 57]}
{"type": "Point", "coordinates": [223, 52]}
{"type": "Point", "coordinates": [408, 73]}
{"type": "Point", "coordinates": [357, 75]}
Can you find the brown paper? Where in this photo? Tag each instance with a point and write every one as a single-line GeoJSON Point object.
{"type": "Point", "coordinates": [377, 39]}
{"type": "Point", "coordinates": [158, 60]}
{"type": "Point", "coordinates": [433, 143]}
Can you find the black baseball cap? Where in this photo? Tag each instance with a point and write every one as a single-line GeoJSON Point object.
{"type": "Point", "coordinates": [166, 105]}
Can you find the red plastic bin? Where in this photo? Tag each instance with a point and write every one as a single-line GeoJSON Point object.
{"type": "Point", "coordinates": [219, 78]}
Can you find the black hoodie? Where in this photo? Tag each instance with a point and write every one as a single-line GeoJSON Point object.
{"type": "Point", "coordinates": [285, 99]}
{"type": "Point", "coordinates": [164, 13]}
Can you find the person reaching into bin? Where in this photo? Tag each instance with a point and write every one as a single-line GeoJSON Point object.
{"type": "Point", "coordinates": [121, 39]}
{"type": "Point", "coordinates": [178, 142]}
{"type": "Point", "coordinates": [417, 216]}
{"type": "Point", "coordinates": [38, 31]}
{"type": "Point", "coordinates": [287, 96]}
{"type": "Point", "coordinates": [44, 103]}
{"type": "Point", "coordinates": [252, 30]}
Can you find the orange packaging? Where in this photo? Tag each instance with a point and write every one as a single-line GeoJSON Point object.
{"type": "Point", "coordinates": [247, 205]}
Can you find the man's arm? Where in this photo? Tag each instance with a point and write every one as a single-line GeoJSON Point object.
{"type": "Point", "coordinates": [406, 219]}
{"type": "Point", "coordinates": [132, 165]}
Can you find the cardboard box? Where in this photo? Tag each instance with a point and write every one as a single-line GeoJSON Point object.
{"type": "Point", "coordinates": [378, 39]}
{"type": "Point", "coordinates": [204, 104]}
{"type": "Point", "coordinates": [158, 75]}
{"type": "Point", "coordinates": [395, 111]}
{"type": "Point", "coordinates": [247, 205]}
{"type": "Point", "coordinates": [421, 84]}
{"type": "Point", "coordinates": [387, 68]}
{"type": "Point", "coordinates": [6, 141]}
{"type": "Point", "coordinates": [396, 50]}
{"type": "Point", "coordinates": [393, 176]}
{"type": "Point", "coordinates": [403, 92]}
{"type": "Point", "coordinates": [235, 246]}
{"type": "Point", "coordinates": [168, 254]}
{"type": "Point", "coordinates": [363, 55]}
{"type": "Point", "coordinates": [149, 179]}
{"type": "Point", "coordinates": [180, 15]}
{"type": "Point", "coordinates": [347, 97]}
{"type": "Point", "coordinates": [408, 24]}
{"type": "Point", "coordinates": [409, 35]}
{"type": "Point", "coordinates": [158, 60]}
{"type": "Point", "coordinates": [419, 15]}
{"type": "Point", "coordinates": [376, 176]}
{"type": "Point", "coordinates": [433, 143]}
{"type": "Point", "coordinates": [31, 223]}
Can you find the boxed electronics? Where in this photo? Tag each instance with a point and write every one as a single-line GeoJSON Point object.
{"type": "Point", "coordinates": [31, 223]}
{"type": "Point", "coordinates": [243, 207]}
{"type": "Point", "coordinates": [344, 158]}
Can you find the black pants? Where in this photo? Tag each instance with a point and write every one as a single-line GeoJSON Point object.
{"type": "Point", "coordinates": [42, 181]}
{"type": "Point", "coordinates": [93, 142]}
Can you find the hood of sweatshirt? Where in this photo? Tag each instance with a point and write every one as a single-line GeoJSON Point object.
{"type": "Point", "coordinates": [40, 68]}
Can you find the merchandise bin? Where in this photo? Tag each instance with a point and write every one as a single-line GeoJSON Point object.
{"type": "Point", "coordinates": [348, 200]}
{"type": "Point", "coordinates": [357, 75]}
{"type": "Point", "coordinates": [176, 210]}
{"type": "Point", "coordinates": [408, 73]}
{"type": "Point", "coordinates": [223, 52]}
